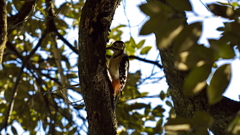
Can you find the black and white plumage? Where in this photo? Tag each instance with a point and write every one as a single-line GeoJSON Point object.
{"type": "Point", "coordinates": [118, 67]}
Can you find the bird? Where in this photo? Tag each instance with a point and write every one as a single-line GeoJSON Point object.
{"type": "Point", "coordinates": [118, 67]}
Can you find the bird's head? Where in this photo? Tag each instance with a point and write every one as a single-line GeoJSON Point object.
{"type": "Point", "coordinates": [117, 46]}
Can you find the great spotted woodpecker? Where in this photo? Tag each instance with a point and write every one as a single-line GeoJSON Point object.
{"type": "Point", "coordinates": [118, 67]}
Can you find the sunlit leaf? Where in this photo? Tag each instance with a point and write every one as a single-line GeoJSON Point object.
{"type": "Point", "coordinates": [219, 83]}
{"type": "Point", "coordinates": [195, 56]}
{"type": "Point", "coordinates": [196, 79]}
{"type": "Point", "coordinates": [178, 124]}
{"type": "Point", "coordinates": [65, 8]}
{"type": "Point", "coordinates": [132, 42]}
{"type": "Point", "coordinates": [140, 44]}
{"type": "Point", "coordinates": [222, 49]}
{"type": "Point", "coordinates": [223, 11]}
{"type": "Point", "coordinates": [148, 129]}
{"type": "Point", "coordinates": [168, 31]}
{"type": "Point", "coordinates": [71, 76]}
{"type": "Point", "coordinates": [188, 37]}
{"type": "Point", "coordinates": [234, 126]}
{"type": "Point", "coordinates": [155, 8]}
{"type": "Point", "coordinates": [158, 111]}
{"type": "Point", "coordinates": [145, 50]}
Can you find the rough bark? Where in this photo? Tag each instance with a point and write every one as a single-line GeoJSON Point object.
{"type": "Point", "coordinates": [3, 27]}
{"type": "Point", "coordinates": [223, 112]}
{"type": "Point", "coordinates": [96, 89]}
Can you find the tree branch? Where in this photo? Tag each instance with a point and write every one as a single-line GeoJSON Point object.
{"type": "Point", "coordinates": [3, 27]}
{"type": "Point", "coordinates": [66, 42]}
{"type": "Point", "coordinates": [156, 63]}
{"type": "Point", "coordinates": [147, 61]}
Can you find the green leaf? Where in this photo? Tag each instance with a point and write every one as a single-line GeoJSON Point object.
{"type": "Point", "coordinates": [36, 57]}
{"type": "Point", "coordinates": [188, 37]}
{"type": "Point", "coordinates": [168, 31]}
{"type": "Point", "coordinates": [140, 44]}
{"type": "Point", "coordinates": [202, 119]}
{"type": "Point", "coordinates": [65, 8]}
{"type": "Point", "coordinates": [71, 76]}
{"type": "Point", "coordinates": [158, 128]}
{"type": "Point", "coordinates": [181, 5]}
{"type": "Point", "coordinates": [14, 130]}
{"type": "Point", "coordinates": [131, 89]}
{"type": "Point", "coordinates": [132, 42]}
{"type": "Point", "coordinates": [231, 33]}
{"type": "Point", "coordinates": [124, 133]}
{"type": "Point", "coordinates": [135, 133]}
{"type": "Point", "coordinates": [130, 49]}
{"type": "Point", "coordinates": [169, 103]}
{"type": "Point", "coordinates": [223, 11]}
{"type": "Point", "coordinates": [218, 83]}
{"type": "Point", "coordinates": [178, 124]}
{"type": "Point", "coordinates": [116, 32]}
{"type": "Point", "coordinates": [155, 8]}
{"type": "Point", "coordinates": [137, 106]}
{"type": "Point", "coordinates": [147, 109]}
{"type": "Point", "coordinates": [151, 25]}
{"type": "Point", "coordinates": [195, 56]}
{"type": "Point", "coordinates": [61, 24]}
{"type": "Point", "coordinates": [145, 50]}
{"type": "Point", "coordinates": [158, 111]}
{"type": "Point", "coordinates": [162, 95]}
{"type": "Point", "coordinates": [158, 13]}
{"type": "Point", "coordinates": [234, 126]}
{"type": "Point", "coordinates": [222, 49]}
{"type": "Point", "coordinates": [196, 79]}
{"type": "Point", "coordinates": [148, 129]}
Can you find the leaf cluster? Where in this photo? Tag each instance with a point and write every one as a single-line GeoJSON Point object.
{"type": "Point", "coordinates": [39, 74]}
{"type": "Point", "coordinates": [170, 27]}
{"type": "Point", "coordinates": [34, 94]}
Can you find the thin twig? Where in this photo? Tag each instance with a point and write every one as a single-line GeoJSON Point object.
{"type": "Point", "coordinates": [142, 59]}
{"type": "Point", "coordinates": [147, 61]}
{"type": "Point", "coordinates": [205, 6]}
{"type": "Point", "coordinates": [66, 42]}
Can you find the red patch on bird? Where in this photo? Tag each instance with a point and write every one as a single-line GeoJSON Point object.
{"type": "Point", "coordinates": [116, 86]}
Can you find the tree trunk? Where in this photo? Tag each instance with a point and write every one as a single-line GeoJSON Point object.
{"type": "Point", "coordinates": [96, 88]}
{"type": "Point", "coordinates": [223, 112]}
{"type": "Point", "coordinates": [3, 27]}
